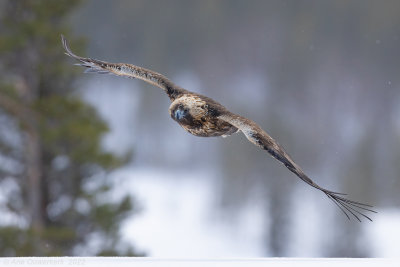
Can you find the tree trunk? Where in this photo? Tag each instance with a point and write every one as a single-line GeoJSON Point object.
{"type": "Point", "coordinates": [34, 178]}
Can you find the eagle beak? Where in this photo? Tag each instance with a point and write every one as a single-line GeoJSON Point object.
{"type": "Point", "coordinates": [179, 114]}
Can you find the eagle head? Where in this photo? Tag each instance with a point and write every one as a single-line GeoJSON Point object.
{"type": "Point", "coordinates": [188, 111]}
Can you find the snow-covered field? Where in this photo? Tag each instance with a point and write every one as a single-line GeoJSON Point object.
{"type": "Point", "coordinates": [179, 219]}
{"type": "Point", "coordinates": [384, 234]}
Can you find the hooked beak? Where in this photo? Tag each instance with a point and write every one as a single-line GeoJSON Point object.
{"type": "Point", "coordinates": [179, 114]}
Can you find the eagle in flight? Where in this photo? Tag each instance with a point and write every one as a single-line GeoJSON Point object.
{"type": "Point", "coordinates": [203, 116]}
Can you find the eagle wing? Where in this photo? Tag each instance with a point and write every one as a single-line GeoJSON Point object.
{"type": "Point", "coordinates": [260, 138]}
{"type": "Point", "coordinates": [126, 70]}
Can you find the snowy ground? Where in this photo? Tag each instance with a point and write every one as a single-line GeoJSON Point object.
{"type": "Point", "coordinates": [179, 219]}
{"type": "Point", "coordinates": [384, 235]}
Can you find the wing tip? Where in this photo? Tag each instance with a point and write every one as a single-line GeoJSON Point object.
{"type": "Point", "coordinates": [356, 209]}
{"type": "Point", "coordinates": [68, 51]}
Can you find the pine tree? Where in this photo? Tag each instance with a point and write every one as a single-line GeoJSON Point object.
{"type": "Point", "coordinates": [53, 170]}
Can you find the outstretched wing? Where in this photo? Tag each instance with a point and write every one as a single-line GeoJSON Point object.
{"type": "Point", "coordinates": [126, 70]}
{"type": "Point", "coordinates": [260, 138]}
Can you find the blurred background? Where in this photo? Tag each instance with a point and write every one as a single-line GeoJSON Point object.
{"type": "Point", "coordinates": [93, 164]}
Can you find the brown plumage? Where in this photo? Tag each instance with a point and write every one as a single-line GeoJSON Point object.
{"type": "Point", "coordinates": [202, 116]}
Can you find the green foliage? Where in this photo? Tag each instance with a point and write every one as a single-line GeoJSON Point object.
{"type": "Point", "coordinates": [19, 242]}
{"type": "Point", "coordinates": [73, 128]}
{"type": "Point", "coordinates": [36, 84]}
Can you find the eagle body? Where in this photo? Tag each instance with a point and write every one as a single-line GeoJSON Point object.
{"type": "Point", "coordinates": [204, 117]}
{"type": "Point", "coordinates": [197, 115]}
